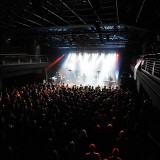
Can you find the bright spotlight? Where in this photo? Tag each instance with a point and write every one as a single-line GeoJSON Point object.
{"type": "Point", "coordinates": [95, 67]}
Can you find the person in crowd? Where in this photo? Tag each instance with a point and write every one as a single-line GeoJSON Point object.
{"type": "Point", "coordinates": [114, 156]}
{"type": "Point", "coordinates": [70, 151]}
{"type": "Point", "coordinates": [122, 143]}
{"type": "Point", "coordinates": [41, 119]}
{"type": "Point", "coordinates": [82, 142]}
{"type": "Point", "coordinates": [92, 154]}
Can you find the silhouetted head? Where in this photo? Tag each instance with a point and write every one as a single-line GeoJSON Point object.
{"type": "Point", "coordinates": [92, 147]}
{"type": "Point", "coordinates": [71, 146]}
{"type": "Point", "coordinates": [98, 128]}
{"type": "Point", "coordinates": [109, 127]}
{"type": "Point", "coordinates": [122, 133]}
{"type": "Point", "coordinates": [115, 152]}
{"type": "Point", "coordinates": [83, 133]}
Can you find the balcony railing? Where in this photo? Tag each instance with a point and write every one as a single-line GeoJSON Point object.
{"type": "Point", "coordinates": [150, 64]}
{"type": "Point", "coordinates": [12, 59]}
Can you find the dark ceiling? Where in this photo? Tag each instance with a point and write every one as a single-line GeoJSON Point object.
{"type": "Point", "coordinates": [77, 23]}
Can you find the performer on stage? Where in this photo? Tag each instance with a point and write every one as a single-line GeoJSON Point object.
{"type": "Point", "coordinates": [110, 81]}
{"type": "Point", "coordinates": [59, 78]}
{"type": "Point", "coordinates": [110, 78]}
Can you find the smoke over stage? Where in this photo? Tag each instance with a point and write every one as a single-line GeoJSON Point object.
{"type": "Point", "coordinates": [88, 69]}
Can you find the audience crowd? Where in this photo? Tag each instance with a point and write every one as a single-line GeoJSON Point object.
{"type": "Point", "coordinates": [57, 122]}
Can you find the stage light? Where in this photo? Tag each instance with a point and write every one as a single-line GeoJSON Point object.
{"type": "Point", "coordinates": [53, 63]}
{"type": "Point", "coordinates": [117, 74]}
{"type": "Point", "coordinates": [89, 64]}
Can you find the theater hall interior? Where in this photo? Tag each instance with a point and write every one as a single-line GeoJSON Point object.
{"type": "Point", "coordinates": [79, 79]}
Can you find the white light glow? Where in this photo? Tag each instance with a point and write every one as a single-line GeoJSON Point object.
{"type": "Point", "coordinates": [90, 68]}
